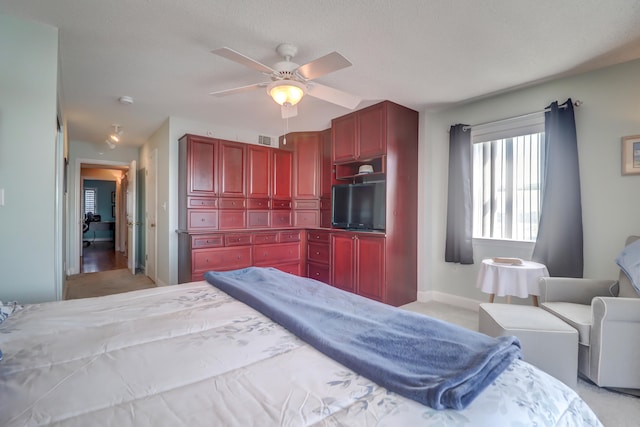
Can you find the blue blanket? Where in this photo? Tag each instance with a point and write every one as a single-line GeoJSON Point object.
{"type": "Point", "coordinates": [433, 362]}
{"type": "Point", "coordinates": [629, 261]}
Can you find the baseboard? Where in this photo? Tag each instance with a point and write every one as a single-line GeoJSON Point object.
{"type": "Point", "coordinates": [462, 302]}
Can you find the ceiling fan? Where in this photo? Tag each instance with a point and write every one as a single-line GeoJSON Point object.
{"type": "Point", "coordinates": [289, 82]}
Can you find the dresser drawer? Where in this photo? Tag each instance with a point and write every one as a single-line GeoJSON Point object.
{"type": "Point", "coordinates": [318, 252]}
{"type": "Point", "coordinates": [289, 236]}
{"type": "Point", "coordinates": [202, 203]}
{"type": "Point", "coordinates": [198, 219]}
{"type": "Point", "coordinates": [237, 239]}
{"type": "Point", "coordinates": [280, 204]}
{"type": "Point", "coordinates": [258, 204]}
{"type": "Point", "coordinates": [212, 241]}
{"type": "Point", "coordinates": [318, 236]}
{"type": "Point", "coordinates": [232, 203]}
{"type": "Point", "coordinates": [306, 218]}
{"type": "Point", "coordinates": [262, 238]}
{"type": "Point", "coordinates": [280, 219]}
{"type": "Point", "coordinates": [257, 219]}
{"type": "Point", "coordinates": [318, 272]}
{"type": "Point", "coordinates": [276, 254]}
{"type": "Point", "coordinates": [230, 220]}
{"type": "Point", "coordinates": [220, 259]}
{"type": "Point", "coordinates": [291, 268]}
{"type": "Point", "coordinates": [307, 204]}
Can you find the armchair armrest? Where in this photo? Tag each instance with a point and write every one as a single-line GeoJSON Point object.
{"type": "Point", "coordinates": [614, 345]}
{"type": "Point", "coordinates": [615, 309]}
{"type": "Point", "coordinates": [578, 291]}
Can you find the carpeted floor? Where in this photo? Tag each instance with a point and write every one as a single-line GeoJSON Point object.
{"type": "Point", "coordinates": [88, 285]}
{"type": "Point", "coordinates": [612, 408]}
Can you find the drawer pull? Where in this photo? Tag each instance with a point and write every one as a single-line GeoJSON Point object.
{"type": "Point", "coordinates": [317, 273]}
{"type": "Point", "coordinates": [201, 219]}
{"type": "Point", "coordinates": [317, 253]}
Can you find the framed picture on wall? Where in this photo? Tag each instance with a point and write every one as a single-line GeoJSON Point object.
{"type": "Point", "coordinates": [113, 197]}
{"type": "Point", "coordinates": [631, 155]}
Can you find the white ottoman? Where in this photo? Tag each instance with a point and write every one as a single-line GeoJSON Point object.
{"type": "Point", "coordinates": [547, 342]}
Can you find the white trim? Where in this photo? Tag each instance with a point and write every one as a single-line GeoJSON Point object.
{"type": "Point", "coordinates": [462, 302]}
{"type": "Point", "coordinates": [59, 212]}
{"type": "Point", "coordinates": [153, 155]}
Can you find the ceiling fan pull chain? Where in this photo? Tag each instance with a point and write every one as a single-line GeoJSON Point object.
{"type": "Point", "coordinates": [286, 130]}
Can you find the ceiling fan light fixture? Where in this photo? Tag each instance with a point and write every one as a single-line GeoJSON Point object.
{"type": "Point", "coordinates": [286, 92]}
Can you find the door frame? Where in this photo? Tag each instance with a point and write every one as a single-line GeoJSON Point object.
{"type": "Point", "coordinates": [75, 219]}
{"type": "Point", "coordinates": [151, 239]}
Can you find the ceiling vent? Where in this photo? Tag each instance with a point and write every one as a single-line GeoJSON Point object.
{"type": "Point", "coordinates": [264, 140]}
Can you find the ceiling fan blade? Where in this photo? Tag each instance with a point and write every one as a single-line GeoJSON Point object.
{"type": "Point", "coordinates": [238, 89]}
{"type": "Point", "coordinates": [324, 65]}
{"type": "Point", "coordinates": [334, 96]}
{"type": "Point", "coordinates": [231, 54]}
{"type": "Point", "coordinates": [289, 111]}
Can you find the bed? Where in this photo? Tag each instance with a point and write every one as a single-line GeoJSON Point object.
{"type": "Point", "coordinates": [191, 354]}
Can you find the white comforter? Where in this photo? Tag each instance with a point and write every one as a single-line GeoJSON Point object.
{"type": "Point", "coordinates": [191, 355]}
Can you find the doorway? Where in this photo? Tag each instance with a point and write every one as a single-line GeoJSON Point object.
{"type": "Point", "coordinates": [100, 202]}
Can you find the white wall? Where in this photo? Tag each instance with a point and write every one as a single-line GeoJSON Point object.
{"type": "Point", "coordinates": [28, 97]}
{"type": "Point", "coordinates": [610, 201]}
{"type": "Point", "coordinates": [165, 175]}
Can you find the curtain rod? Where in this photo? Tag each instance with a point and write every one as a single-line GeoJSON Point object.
{"type": "Point", "coordinates": [576, 103]}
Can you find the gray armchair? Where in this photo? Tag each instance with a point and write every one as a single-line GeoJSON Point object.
{"type": "Point", "coordinates": [606, 314]}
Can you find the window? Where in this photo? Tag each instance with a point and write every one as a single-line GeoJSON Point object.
{"type": "Point", "coordinates": [508, 165]}
{"type": "Point", "coordinates": [90, 200]}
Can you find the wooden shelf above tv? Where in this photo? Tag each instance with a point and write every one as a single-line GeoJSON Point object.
{"type": "Point", "coordinates": [349, 171]}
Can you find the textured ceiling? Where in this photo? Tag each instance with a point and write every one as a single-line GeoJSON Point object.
{"type": "Point", "coordinates": [418, 53]}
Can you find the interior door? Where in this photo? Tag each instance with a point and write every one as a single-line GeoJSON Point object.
{"type": "Point", "coordinates": [131, 217]}
{"type": "Point", "coordinates": [150, 215]}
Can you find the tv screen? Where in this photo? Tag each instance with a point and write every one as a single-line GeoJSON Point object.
{"type": "Point", "coordinates": [359, 206]}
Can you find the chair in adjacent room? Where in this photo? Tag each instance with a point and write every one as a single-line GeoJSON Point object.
{"type": "Point", "coordinates": [606, 314]}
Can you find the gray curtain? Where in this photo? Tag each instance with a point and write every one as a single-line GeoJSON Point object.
{"type": "Point", "coordinates": [459, 204]}
{"type": "Point", "coordinates": [559, 242]}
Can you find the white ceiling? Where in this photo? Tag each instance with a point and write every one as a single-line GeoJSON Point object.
{"type": "Point", "coordinates": [425, 54]}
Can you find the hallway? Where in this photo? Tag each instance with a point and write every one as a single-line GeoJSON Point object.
{"type": "Point", "coordinates": [103, 271]}
{"type": "Point", "coordinates": [101, 256]}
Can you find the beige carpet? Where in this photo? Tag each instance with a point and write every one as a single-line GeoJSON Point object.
{"type": "Point", "coordinates": [88, 285]}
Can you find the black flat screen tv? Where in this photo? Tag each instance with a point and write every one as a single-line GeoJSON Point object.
{"type": "Point", "coordinates": [359, 206]}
